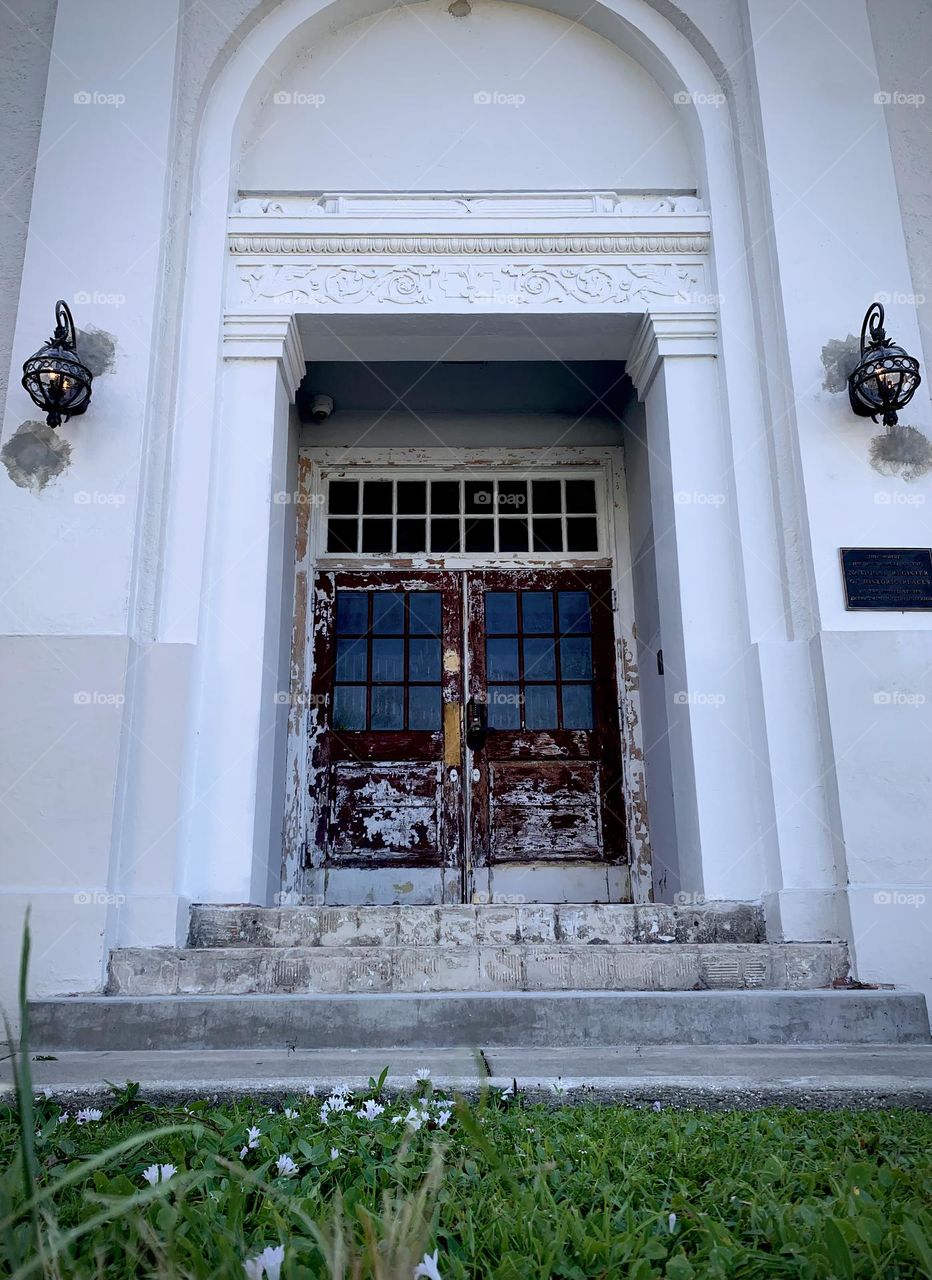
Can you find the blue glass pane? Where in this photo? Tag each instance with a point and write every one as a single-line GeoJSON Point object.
{"type": "Point", "coordinates": [577, 706]}
{"type": "Point", "coordinates": [574, 612]}
{"type": "Point", "coordinates": [501, 658]}
{"type": "Point", "coordinates": [537, 611]}
{"type": "Point", "coordinates": [388, 707]}
{"type": "Point", "coordinates": [349, 707]}
{"type": "Point", "coordinates": [424, 660]}
{"type": "Point", "coordinates": [424, 608]}
{"type": "Point", "coordinates": [540, 706]}
{"type": "Point", "coordinates": [424, 707]}
{"type": "Point", "coordinates": [576, 658]}
{"type": "Point", "coordinates": [351, 659]}
{"type": "Point", "coordinates": [388, 613]}
{"type": "Point", "coordinates": [352, 612]}
{"type": "Point", "coordinates": [539, 660]}
{"type": "Point", "coordinates": [504, 706]}
{"type": "Point", "coordinates": [388, 660]}
{"type": "Point", "coordinates": [501, 611]}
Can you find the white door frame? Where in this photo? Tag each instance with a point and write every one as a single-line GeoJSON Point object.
{"type": "Point", "coordinates": [606, 466]}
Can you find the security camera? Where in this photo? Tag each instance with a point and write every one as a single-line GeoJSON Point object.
{"type": "Point", "coordinates": [321, 408]}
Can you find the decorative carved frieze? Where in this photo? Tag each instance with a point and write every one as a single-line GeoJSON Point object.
{"type": "Point", "coordinates": [286, 285]}
{"type": "Point", "coordinates": [518, 204]}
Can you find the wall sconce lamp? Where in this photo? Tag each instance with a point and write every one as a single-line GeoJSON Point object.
{"type": "Point", "coordinates": [58, 381]}
{"type": "Point", "coordinates": [885, 377]}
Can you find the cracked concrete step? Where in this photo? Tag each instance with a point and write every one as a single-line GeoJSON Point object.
{"type": "Point", "coordinates": [493, 925]}
{"type": "Point", "coordinates": [344, 970]}
{"type": "Point", "coordinates": [531, 1019]}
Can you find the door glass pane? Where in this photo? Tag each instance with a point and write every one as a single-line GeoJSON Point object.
{"type": "Point", "coordinates": [388, 612]}
{"type": "Point", "coordinates": [540, 706]}
{"type": "Point", "coordinates": [480, 497]}
{"type": "Point", "coordinates": [539, 660]}
{"type": "Point", "coordinates": [388, 707]}
{"type": "Point", "coordinates": [424, 608]}
{"type": "Point", "coordinates": [423, 660]}
{"type": "Point", "coordinates": [412, 497]}
{"type": "Point", "coordinates": [504, 706]}
{"type": "Point", "coordinates": [548, 534]}
{"type": "Point", "coordinates": [424, 707]}
{"type": "Point", "coordinates": [351, 659]}
{"type": "Point", "coordinates": [412, 536]}
{"type": "Point", "coordinates": [341, 535]}
{"type": "Point", "coordinates": [352, 613]}
{"type": "Point", "coordinates": [576, 658]}
{"type": "Point", "coordinates": [445, 497]}
{"type": "Point", "coordinates": [577, 706]}
{"type": "Point", "coordinates": [545, 494]}
{"type": "Point", "coordinates": [512, 535]}
{"type": "Point", "coordinates": [537, 611]}
{"type": "Point", "coordinates": [343, 497]}
{"type": "Point", "coordinates": [580, 497]}
{"type": "Point", "coordinates": [377, 536]}
{"type": "Point", "coordinates": [501, 658]}
{"type": "Point", "coordinates": [388, 660]}
{"type": "Point", "coordinates": [480, 535]}
{"type": "Point", "coordinates": [574, 612]}
{"type": "Point", "coordinates": [582, 534]}
{"type": "Point", "coordinates": [377, 497]}
{"type": "Point", "coordinates": [501, 611]}
{"type": "Point", "coordinates": [349, 707]}
{"type": "Point", "coordinates": [445, 535]}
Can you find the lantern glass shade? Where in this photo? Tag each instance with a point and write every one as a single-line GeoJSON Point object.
{"type": "Point", "coordinates": [886, 377]}
{"type": "Point", "coordinates": [58, 381]}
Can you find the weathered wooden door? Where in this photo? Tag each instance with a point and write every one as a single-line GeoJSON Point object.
{"type": "Point", "coordinates": [386, 745]}
{"type": "Point", "coordinates": [465, 755]}
{"type": "Point", "coordinates": [546, 809]}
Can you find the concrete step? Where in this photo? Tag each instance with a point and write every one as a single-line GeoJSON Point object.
{"type": "Point", "coordinates": [532, 1019]}
{"type": "Point", "coordinates": [712, 1076]}
{"type": "Point", "coordinates": [493, 925]}
{"type": "Point", "coordinates": [342, 970]}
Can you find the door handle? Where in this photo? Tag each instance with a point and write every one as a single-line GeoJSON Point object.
{"type": "Point", "coordinates": [477, 723]}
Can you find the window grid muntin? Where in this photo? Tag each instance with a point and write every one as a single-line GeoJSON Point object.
{"type": "Point", "coordinates": [464, 520]}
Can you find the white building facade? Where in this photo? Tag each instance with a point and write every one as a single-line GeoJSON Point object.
{"type": "Point", "coordinates": [247, 205]}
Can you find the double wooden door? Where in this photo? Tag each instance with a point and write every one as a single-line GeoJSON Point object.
{"type": "Point", "coordinates": [464, 727]}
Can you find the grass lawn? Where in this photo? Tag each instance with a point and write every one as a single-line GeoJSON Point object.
{"type": "Point", "coordinates": [496, 1188]}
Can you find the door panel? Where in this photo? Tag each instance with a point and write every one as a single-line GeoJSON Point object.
{"type": "Point", "coordinates": [384, 754]}
{"type": "Point", "coordinates": [546, 774]}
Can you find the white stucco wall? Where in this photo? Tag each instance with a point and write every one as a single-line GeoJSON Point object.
{"type": "Point", "coordinates": [506, 98]}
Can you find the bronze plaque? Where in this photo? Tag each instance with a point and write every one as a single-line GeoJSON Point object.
{"type": "Point", "coordinates": [897, 579]}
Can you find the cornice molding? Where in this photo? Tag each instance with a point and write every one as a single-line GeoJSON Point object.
{"type": "Point", "coordinates": [664, 334]}
{"type": "Point", "coordinates": [441, 244]}
{"type": "Point", "coordinates": [258, 336]}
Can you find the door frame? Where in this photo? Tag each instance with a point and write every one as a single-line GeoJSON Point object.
{"type": "Point", "coordinates": [298, 885]}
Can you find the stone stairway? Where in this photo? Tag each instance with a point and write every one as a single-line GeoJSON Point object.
{"type": "Point", "coordinates": [367, 977]}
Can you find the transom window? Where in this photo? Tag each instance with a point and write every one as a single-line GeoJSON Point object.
{"type": "Point", "coordinates": [498, 515]}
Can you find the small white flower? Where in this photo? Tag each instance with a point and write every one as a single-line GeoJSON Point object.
{"type": "Point", "coordinates": [267, 1263]}
{"type": "Point", "coordinates": [310, 1092]}
{"type": "Point", "coordinates": [414, 1119]}
{"type": "Point", "coordinates": [428, 1268]}
{"type": "Point", "coordinates": [65, 1115]}
{"type": "Point", "coordinates": [286, 1167]}
{"type": "Point", "coordinates": [422, 1073]}
{"type": "Point", "coordinates": [88, 1115]}
{"type": "Point", "coordinates": [334, 1153]}
{"type": "Point", "coordinates": [334, 1104]}
{"type": "Point", "coordinates": [671, 1223]}
{"type": "Point", "coordinates": [443, 1116]}
{"type": "Point", "coordinates": [369, 1110]}
{"type": "Point", "coordinates": [158, 1173]}
{"type": "Point", "coordinates": [252, 1140]}
{"type": "Point", "coordinates": [290, 1113]}
{"type": "Point", "coordinates": [656, 1106]}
